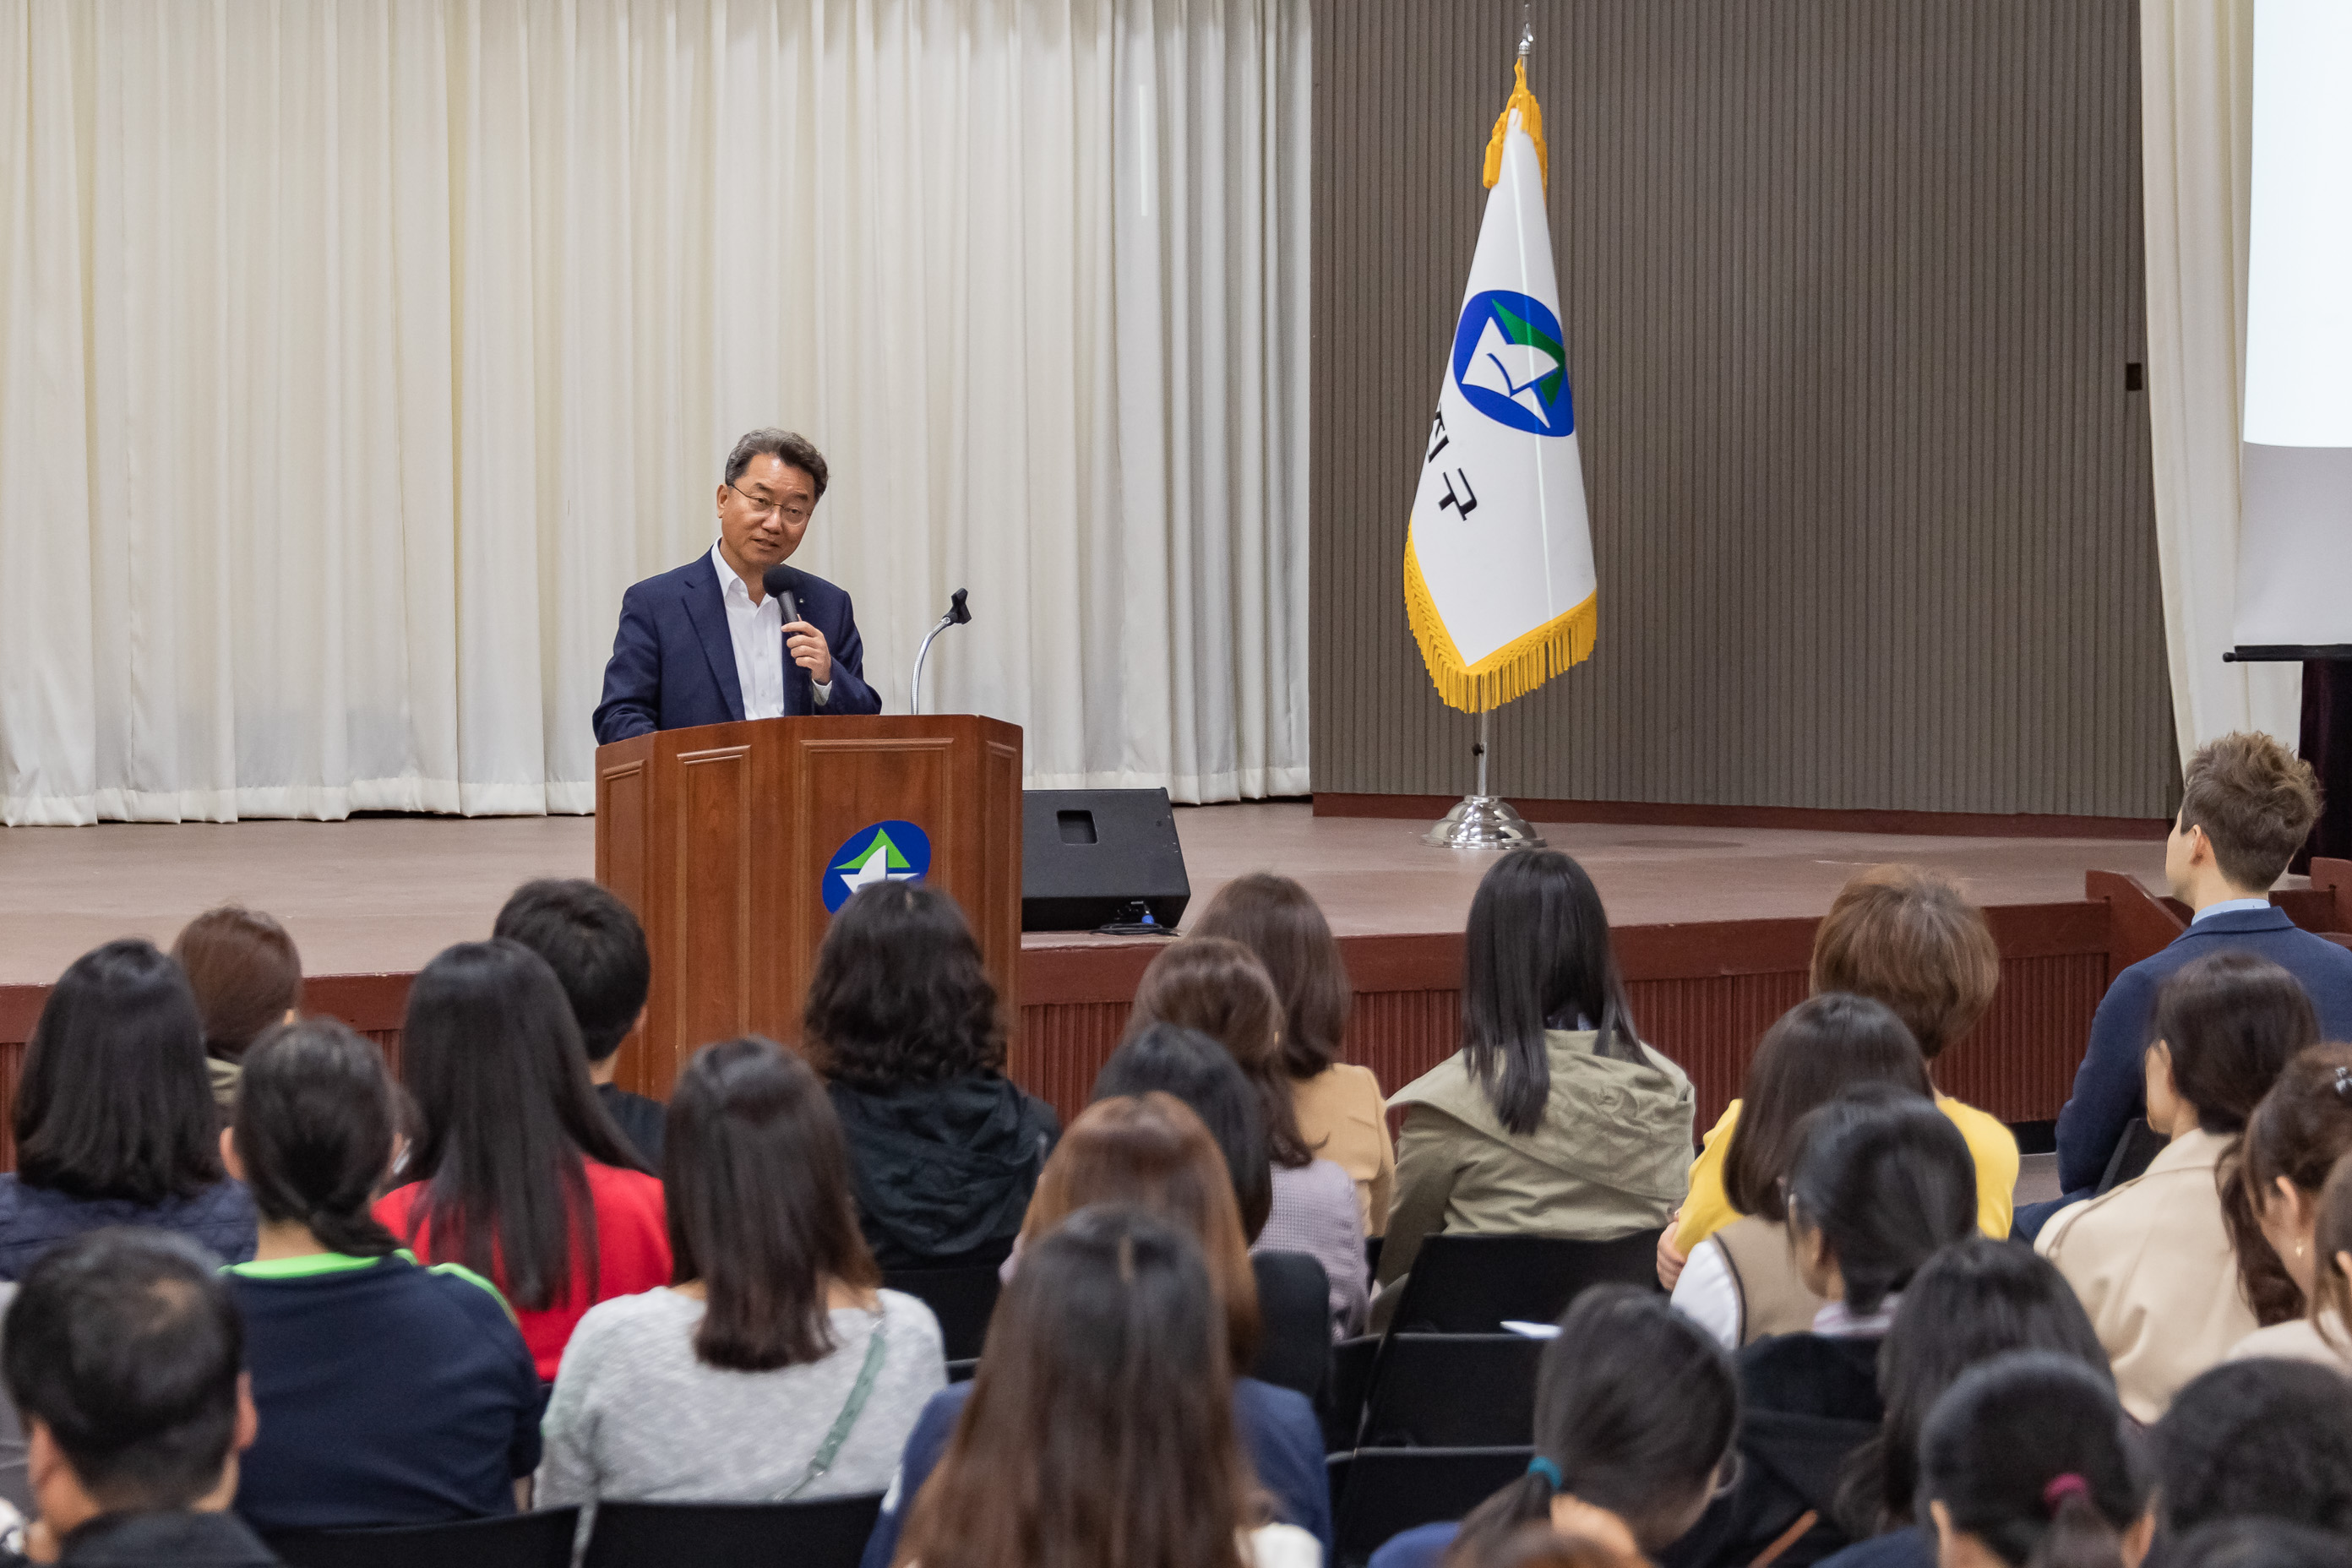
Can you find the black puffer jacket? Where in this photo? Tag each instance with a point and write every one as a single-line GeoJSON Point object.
{"type": "Point", "coordinates": [944, 1171]}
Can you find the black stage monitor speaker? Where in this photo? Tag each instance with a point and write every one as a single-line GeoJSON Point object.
{"type": "Point", "coordinates": [1096, 857]}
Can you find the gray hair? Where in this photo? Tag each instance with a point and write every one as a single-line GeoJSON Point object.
{"type": "Point", "coordinates": [792, 451]}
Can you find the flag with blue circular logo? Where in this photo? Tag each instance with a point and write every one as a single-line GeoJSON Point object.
{"type": "Point", "coordinates": [1498, 579]}
{"type": "Point", "coordinates": [878, 852]}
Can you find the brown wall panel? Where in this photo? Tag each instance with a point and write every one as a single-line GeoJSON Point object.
{"type": "Point", "coordinates": [1848, 291]}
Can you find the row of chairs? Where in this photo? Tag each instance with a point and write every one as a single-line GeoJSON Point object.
{"type": "Point", "coordinates": [830, 1532]}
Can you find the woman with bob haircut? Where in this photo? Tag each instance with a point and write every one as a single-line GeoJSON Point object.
{"type": "Point", "coordinates": [1743, 1283]}
{"type": "Point", "coordinates": [247, 978]}
{"type": "Point", "coordinates": [2171, 1265]}
{"type": "Point", "coordinates": [1100, 1429]}
{"type": "Point", "coordinates": [2296, 1137]}
{"type": "Point", "coordinates": [1342, 1116]}
{"type": "Point", "coordinates": [1152, 1153]}
{"type": "Point", "coordinates": [774, 1367]}
{"type": "Point", "coordinates": [388, 1392]}
{"type": "Point", "coordinates": [2025, 1464]}
{"type": "Point", "coordinates": [1636, 1409]}
{"type": "Point", "coordinates": [903, 1022]}
{"type": "Point", "coordinates": [1219, 988]}
{"type": "Point", "coordinates": [114, 1117]}
{"type": "Point", "coordinates": [515, 1170]}
{"type": "Point", "coordinates": [1554, 1119]}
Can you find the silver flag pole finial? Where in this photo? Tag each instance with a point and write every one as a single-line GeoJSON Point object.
{"type": "Point", "coordinates": [1526, 29]}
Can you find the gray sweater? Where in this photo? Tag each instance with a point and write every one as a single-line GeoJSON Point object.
{"type": "Point", "coordinates": [636, 1417]}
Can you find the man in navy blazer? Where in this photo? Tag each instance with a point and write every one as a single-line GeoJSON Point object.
{"type": "Point", "coordinates": [707, 642]}
{"type": "Point", "coordinates": [2247, 804]}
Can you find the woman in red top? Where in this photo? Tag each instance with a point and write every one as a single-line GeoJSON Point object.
{"type": "Point", "coordinates": [512, 1149]}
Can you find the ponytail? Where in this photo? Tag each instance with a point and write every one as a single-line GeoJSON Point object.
{"type": "Point", "coordinates": [314, 1124]}
{"type": "Point", "coordinates": [1493, 1522]}
{"type": "Point", "coordinates": [2079, 1535]}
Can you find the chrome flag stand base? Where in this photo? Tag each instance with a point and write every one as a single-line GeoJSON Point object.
{"type": "Point", "coordinates": [1482, 821]}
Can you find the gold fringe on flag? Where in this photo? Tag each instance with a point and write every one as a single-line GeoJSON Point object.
{"type": "Point", "coordinates": [1530, 119]}
{"type": "Point", "coordinates": [1516, 668]}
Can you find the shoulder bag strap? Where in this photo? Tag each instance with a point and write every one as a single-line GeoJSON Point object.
{"type": "Point", "coordinates": [843, 1423]}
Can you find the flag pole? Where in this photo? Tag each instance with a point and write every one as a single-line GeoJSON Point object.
{"type": "Point", "coordinates": [1482, 821]}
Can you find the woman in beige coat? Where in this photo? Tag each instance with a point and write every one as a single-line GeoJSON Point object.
{"type": "Point", "coordinates": [1553, 1119]}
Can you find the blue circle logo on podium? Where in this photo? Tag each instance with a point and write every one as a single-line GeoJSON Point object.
{"type": "Point", "coordinates": [878, 852]}
{"type": "Point", "coordinates": [1511, 363]}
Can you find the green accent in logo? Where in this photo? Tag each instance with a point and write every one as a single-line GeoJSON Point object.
{"type": "Point", "coordinates": [892, 859]}
{"type": "Point", "coordinates": [1518, 329]}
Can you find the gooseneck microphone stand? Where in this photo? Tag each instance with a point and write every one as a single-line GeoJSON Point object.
{"type": "Point", "coordinates": [957, 615]}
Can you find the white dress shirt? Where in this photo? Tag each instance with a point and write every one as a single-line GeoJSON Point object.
{"type": "Point", "coordinates": [758, 632]}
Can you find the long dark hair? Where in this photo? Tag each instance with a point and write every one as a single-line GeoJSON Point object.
{"type": "Point", "coordinates": [491, 1057]}
{"type": "Point", "coordinates": [900, 996]}
{"type": "Point", "coordinates": [1280, 922]}
{"type": "Point", "coordinates": [1635, 1406]}
{"type": "Point", "coordinates": [116, 1101]}
{"type": "Point", "coordinates": [1887, 1181]}
{"type": "Point", "coordinates": [245, 971]}
{"type": "Point", "coordinates": [314, 1124]}
{"type": "Point", "coordinates": [2027, 1454]}
{"type": "Point", "coordinates": [756, 1178]}
{"type": "Point", "coordinates": [1819, 1047]}
{"type": "Point", "coordinates": [1537, 956]}
{"type": "Point", "coordinates": [1219, 987]}
{"type": "Point", "coordinates": [1197, 1070]}
{"type": "Point", "coordinates": [1100, 1427]}
{"type": "Point", "coordinates": [1974, 1300]}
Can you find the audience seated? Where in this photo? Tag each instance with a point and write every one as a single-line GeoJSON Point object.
{"type": "Point", "coordinates": [388, 1392]}
{"type": "Point", "coordinates": [1912, 940]}
{"type": "Point", "coordinates": [2257, 1439]}
{"type": "Point", "coordinates": [2025, 1463]}
{"type": "Point", "coordinates": [1100, 1428]}
{"type": "Point", "coordinates": [2247, 803]}
{"type": "Point", "coordinates": [246, 976]}
{"type": "Point", "coordinates": [594, 942]}
{"type": "Point", "coordinates": [1882, 1182]}
{"type": "Point", "coordinates": [515, 1170]}
{"type": "Point", "coordinates": [114, 1115]}
{"type": "Point", "coordinates": [1539, 1545]}
{"type": "Point", "coordinates": [1554, 1118]}
{"type": "Point", "coordinates": [1742, 1282]}
{"type": "Point", "coordinates": [123, 1352]}
{"type": "Point", "coordinates": [1219, 988]}
{"type": "Point", "coordinates": [1151, 1153]}
{"type": "Point", "coordinates": [2158, 1261]}
{"type": "Point", "coordinates": [1636, 1412]}
{"type": "Point", "coordinates": [903, 1022]}
{"type": "Point", "coordinates": [1976, 1299]}
{"type": "Point", "coordinates": [776, 1368]}
{"type": "Point", "coordinates": [2258, 1543]}
{"type": "Point", "coordinates": [2297, 1135]}
{"type": "Point", "coordinates": [1341, 1115]}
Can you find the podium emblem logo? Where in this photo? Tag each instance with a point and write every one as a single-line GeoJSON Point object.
{"type": "Point", "coordinates": [878, 852]}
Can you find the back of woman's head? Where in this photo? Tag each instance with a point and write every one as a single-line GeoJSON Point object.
{"type": "Point", "coordinates": [1636, 1408]}
{"type": "Point", "coordinates": [2301, 1127]}
{"type": "Point", "coordinates": [900, 996]}
{"type": "Point", "coordinates": [116, 1101]}
{"type": "Point", "coordinates": [755, 1176]}
{"type": "Point", "coordinates": [315, 1122]}
{"type": "Point", "coordinates": [1976, 1299]}
{"type": "Point", "coordinates": [1219, 987]}
{"type": "Point", "coordinates": [1280, 922]}
{"type": "Point", "coordinates": [2258, 1543]}
{"type": "Point", "coordinates": [491, 1057]}
{"type": "Point", "coordinates": [1537, 956]}
{"type": "Point", "coordinates": [1197, 1070]}
{"type": "Point", "coordinates": [1911, 939]}
{"type": "Point", "coordinates": [2331, 1265]}
{"type": "Point", "coordinates": [1100, 1426]}
{"type": "Point", "coordinates": [1819, 1047]}
{"type": "Point", "coordinates": [2027, 1453]}
{"type": "Point", "coordinates": [245, 971]}
{"type": "Point", "coordinates": [1150, 1151]}
{"type": "Point", "coordinates": [1887, 1181]}
{"type": "Point", "coordinates": [1536, 1544]}
{"type": "Point", "coordinates": [2231, 1020]}
{"type": "Point", "coordinates": [2272, 1438]}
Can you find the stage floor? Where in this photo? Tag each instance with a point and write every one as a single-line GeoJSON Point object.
{"type": "Point", "coordinates": [384, 894]}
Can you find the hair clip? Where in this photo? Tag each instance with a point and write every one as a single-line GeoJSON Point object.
{"type": "Point", "coordinates": [2060, 1487]}
{"type": "Point", "coordinates": [2344, 1084]}
{"type": "Point", "coordinates": [1540, 1466]}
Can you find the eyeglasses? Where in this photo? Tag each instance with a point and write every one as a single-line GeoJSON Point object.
{"type": "Point", "coordinates": [791, 511]}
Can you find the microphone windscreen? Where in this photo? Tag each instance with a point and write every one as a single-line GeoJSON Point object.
{"type": "Point", "coordinates": [785, 584]}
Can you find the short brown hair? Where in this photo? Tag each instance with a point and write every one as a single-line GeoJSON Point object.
{"type": "Point", "coordinates": [2256, 802]}
{"type": "Point", "coordinates": [1911, 939]}
{"type": "Point", "coordinates": [1219, 987]}
{"type": "Point", "coordinates": [246, 973]}
{"type": "Point", "coordinates": [1279, 920]}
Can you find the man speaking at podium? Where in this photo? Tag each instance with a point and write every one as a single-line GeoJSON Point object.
{"type": "Point", "coordinates": [709, 642]}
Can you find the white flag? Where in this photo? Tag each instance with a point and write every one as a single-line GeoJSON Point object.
{"type": "Point", "coordinates": [1498, 579]}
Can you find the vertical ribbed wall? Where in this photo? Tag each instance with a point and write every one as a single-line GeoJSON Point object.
{"type": "Point", "coordinates": [1850, 289]}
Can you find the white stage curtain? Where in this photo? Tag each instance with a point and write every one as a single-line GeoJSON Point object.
{"type": "Point", "coordinates": [355, 355]}
{"type": "Point", "coordinates": [2196, 123]}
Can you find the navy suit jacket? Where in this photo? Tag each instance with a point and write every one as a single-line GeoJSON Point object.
{"type": "Point", "coordinates": [2109, 1085]}
{"type": "Point", "coordinates": [672, 662]}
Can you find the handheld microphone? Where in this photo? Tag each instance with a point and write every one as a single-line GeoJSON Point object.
{"type": "Point", "coordinates": [783, 583]}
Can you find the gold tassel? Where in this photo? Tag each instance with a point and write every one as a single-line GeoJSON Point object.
{"type": "Point", "coordinates": [1516, 668]}
{"type": "Point", "coordinates": [1530, 119]}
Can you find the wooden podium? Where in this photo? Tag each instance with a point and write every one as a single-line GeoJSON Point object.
{"type": "Point", "coordinates": [724, 838]}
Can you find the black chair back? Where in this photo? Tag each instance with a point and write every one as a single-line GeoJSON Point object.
{"type": "Point", "coordinates": [2134, 1152]}
{"type": "Point", "coordinates": [537, 1540]}
{"type": "Point", "coordinates": [829, 1532]}
{"type": "Point", "coordinates": [1452, 1391]}
{"type": "Point", "coordinates": [1341, 1408]}
{"type": "Point", "coordinates": [1387, 1492]}
{"type": "Point", "coordinates": [1469, 1284]}
{"type": "Point", "coordinates": [1293, 1318]}
{"type": "Point", "coordinates": [961, 1298]}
